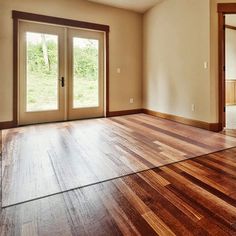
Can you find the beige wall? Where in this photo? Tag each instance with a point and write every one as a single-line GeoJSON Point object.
{"type": "Point", "coordinates": [230, 54]}
{"type": "Point", "coordinates": [125, 46]}
{"type": "Point", "coordinates": [176, 45]}
{"type": "Point", "coordinates": [179, 36]}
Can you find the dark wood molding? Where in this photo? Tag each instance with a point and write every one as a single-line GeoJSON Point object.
{"type": "Point", "coordinates": [59, 21]}
{"type": "Point", "coordinates": [221, 68]}
{"type": "Point", "coordinates": [15, 71]}
{"type": "Point", "coordinates": [17, 15]}
{"type": "Point", "coordinates": [7, 125]}
{"type": "Point", "coordinates": [195, 123]}
{"type": "Point", "coordinates": [124, 112]}
{"type": "Point", "coordinates": [107, 86]}
{"type": "Point", "coordinates": [230, 27]}
{"type": "Point", "coordinates": [215, 127]}
{"type": "Point", "coordinates": [226, 8]}
{"type": "Point", "coordinates": [223, 8]}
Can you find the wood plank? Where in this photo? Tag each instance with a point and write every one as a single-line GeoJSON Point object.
{"type": "Point", "coordinates": [216, 205]}
{"type": "Point", "coordinates": [26, 168]}
{"type": "Point", "coordinates": [163, 201]}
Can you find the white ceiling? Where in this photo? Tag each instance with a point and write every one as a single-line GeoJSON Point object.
{"type": "Point", "coordinates": [134, 5]}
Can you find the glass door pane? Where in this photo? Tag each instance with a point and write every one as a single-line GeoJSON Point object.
{"type": "Point", "coordinates": [41, 65]}
{"type": "Point", "coordinates": [86, 78]}
{"type": "Point", "coordinates": [42, 68]}
{"type": "Point", "coordinates": [85, 72]}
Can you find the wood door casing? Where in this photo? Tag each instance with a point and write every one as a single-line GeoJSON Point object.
{"type": "Point", "coordinates": [18, 16]}
{"type": "Point", "coordinates": [222, 9]}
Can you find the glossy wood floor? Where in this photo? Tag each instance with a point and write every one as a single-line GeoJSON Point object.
{"type": "Point", "coordinates": [42, 160]}
{"type": "Point", "coordinates": [194, 197]}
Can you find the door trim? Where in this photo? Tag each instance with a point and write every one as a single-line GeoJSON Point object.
{"type": "Point", "coordinates": [222, 8]}
{"type": "Point", "coordinates": [18, 15]}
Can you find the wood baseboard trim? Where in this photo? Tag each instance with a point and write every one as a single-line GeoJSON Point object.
{"type": "Point", "coordinates": [7, 125]}
{"type": "Point", "coordinates": [125, 112]}
{"type": "Point", "coordinates": [216, 127]}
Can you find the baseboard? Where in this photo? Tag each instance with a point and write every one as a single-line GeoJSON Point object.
{"type": "Point", "coordinates": [125, 112]}
{"type": "Point", "coordinates": [7, 125]}
{"type": "Point", "coordinates": [216, 127]}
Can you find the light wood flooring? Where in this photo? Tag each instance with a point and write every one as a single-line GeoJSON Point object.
{"type": "Point", "coordinates": [42, 160]}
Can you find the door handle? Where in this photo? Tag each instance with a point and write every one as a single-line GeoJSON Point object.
{"type": "Point", "coordinates": [62, 80]}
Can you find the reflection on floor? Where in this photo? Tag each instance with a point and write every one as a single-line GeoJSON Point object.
{"type": "Point", "coordinates": [192, 197]}
{"type": "Point", "coordinates": [41, 160]}
{"type": "Point", "coordinates": [231, 117]}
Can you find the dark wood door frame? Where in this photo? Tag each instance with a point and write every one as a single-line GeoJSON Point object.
{"type": "Point", "coordinates": [17, 15]}
{"type": "Point", "coordinates": [223, 8]}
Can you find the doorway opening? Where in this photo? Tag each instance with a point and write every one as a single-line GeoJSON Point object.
{"type": "Point", "coordinates": [230, 71]}
{"type": "Point", "coordinates": [227, 65]}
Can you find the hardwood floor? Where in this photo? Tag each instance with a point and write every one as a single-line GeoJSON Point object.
{"type": "Point", "coordinates": [42, 160]}
{"type": "Point", "coordinates": [193, 197]}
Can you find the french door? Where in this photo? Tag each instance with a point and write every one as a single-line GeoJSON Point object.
{"type": "Point", "coordinates": [61, 73]}
{"type": "Point", "coordinates": [85, 73]}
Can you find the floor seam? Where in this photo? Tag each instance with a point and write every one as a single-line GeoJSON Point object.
{"type": "Point", "coordinates": [108, 180]}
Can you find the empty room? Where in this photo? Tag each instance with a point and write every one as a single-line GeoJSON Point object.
{"type": "Point", "coordinates": [117, 117]}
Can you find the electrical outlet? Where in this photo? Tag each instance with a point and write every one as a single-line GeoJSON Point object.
{"type": "Point", "coordinates": [131, 100]}
{"type": "Point", "coordinates": [118, 70]}
{"type": "Point", "coordinates": [193, 107]}
{"type": "Point", "coordinates": [205, 65]}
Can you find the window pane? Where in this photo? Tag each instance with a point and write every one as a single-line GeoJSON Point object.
{"type": "Point", "coordinates": [42, 72]}
{"type": "Point", "coordinates": [85, 73]}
